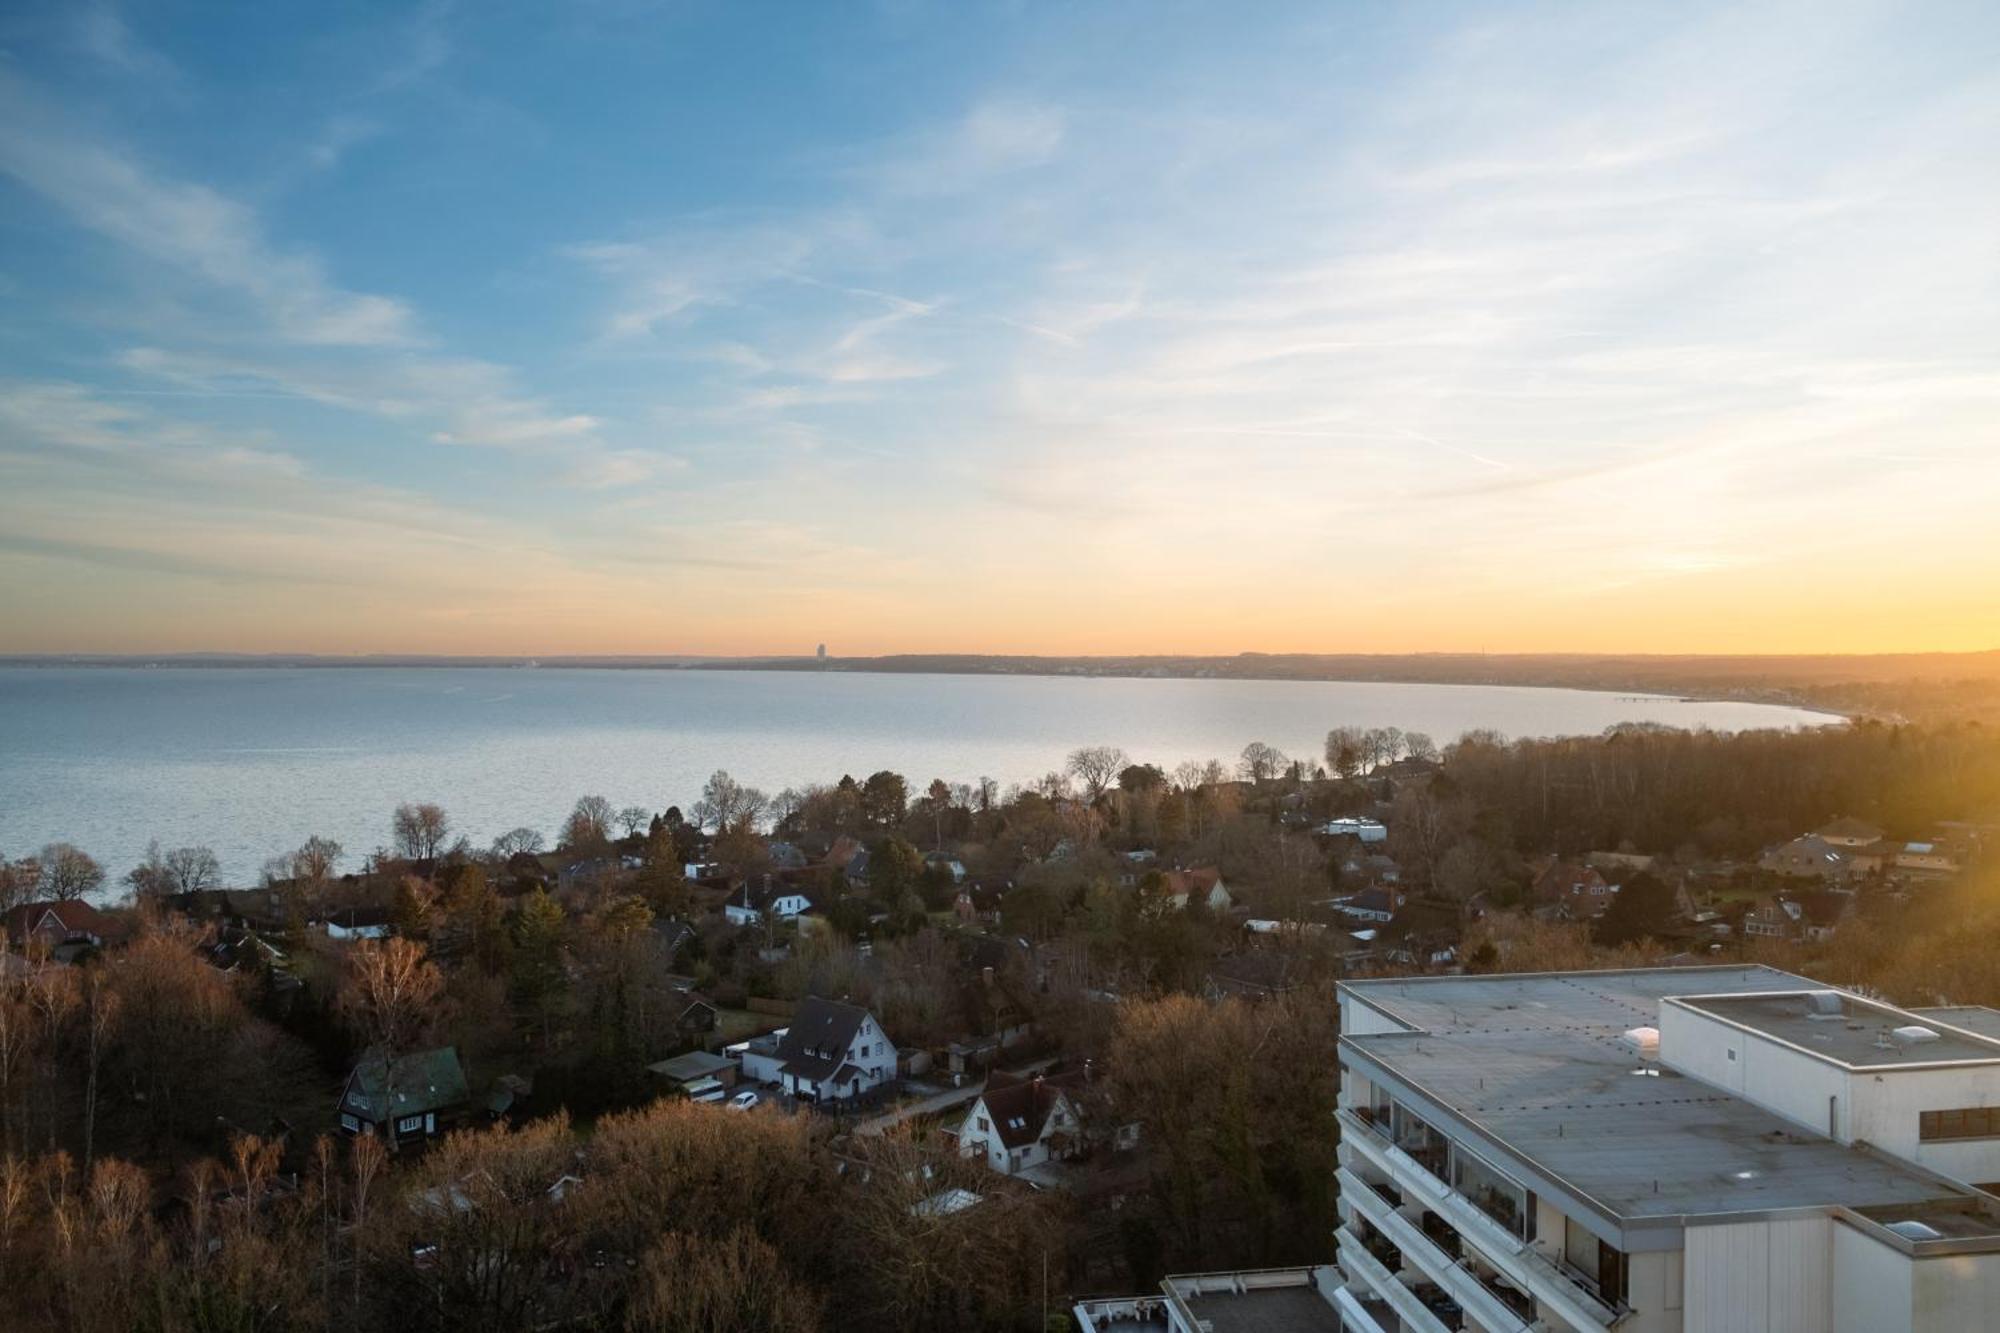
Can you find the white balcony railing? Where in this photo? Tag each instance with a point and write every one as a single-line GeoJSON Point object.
{"type": "Point", "coordinates": [1450, 1273]}
{"type": "Point", "coordinates": [1356, 1316]}
{"type": "Point", "coordinates": [1569, 1296]}
{"type": "Point", "coordinates": [1368, 1271]}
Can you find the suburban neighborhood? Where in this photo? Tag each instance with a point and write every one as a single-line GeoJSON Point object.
{"type": "Point", "coordinates": [1047, 1011]}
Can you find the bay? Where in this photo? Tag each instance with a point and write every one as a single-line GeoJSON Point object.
{"type": "Point", "coordinates": [252, 761]}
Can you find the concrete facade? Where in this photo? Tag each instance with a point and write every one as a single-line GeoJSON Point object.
{"type": "Point", "coordinates": [1518, 1154]}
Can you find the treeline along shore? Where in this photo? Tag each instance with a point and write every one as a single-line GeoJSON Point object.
{"type": "Point", "coordinates": [1893, 686]}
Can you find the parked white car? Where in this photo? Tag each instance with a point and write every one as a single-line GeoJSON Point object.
{"type": "Point", "coordinates": [744, 1100]}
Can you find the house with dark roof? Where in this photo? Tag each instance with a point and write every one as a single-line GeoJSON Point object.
{"type": "Point", "coordinates": [1579, 891]}
{"type": "Point", "coordinates": [421, 1096]}
{"type": "Point", "coordinates": [698, 1013]}
{"type": "Point", "coordinates": [672, 933]}
{"type": "Point", "coordinates": [357, 923]}
{"type": "Point", "coordinates": [1809, 857]}
{"type": "Point", "coordinates": [1020, 1123]}
{"type": "Point", "coordinates": [834, 1051]}
{"type": "Point", "coordinates": [1376, 904]}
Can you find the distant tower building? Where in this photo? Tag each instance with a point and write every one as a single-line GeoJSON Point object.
{"type": "Point", "coordinates": [822, 652]}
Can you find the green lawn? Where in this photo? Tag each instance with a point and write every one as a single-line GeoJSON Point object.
{"type": "Point", "coordinates": [734, 1025]}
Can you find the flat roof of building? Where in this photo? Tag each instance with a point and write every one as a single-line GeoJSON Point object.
{"type": "Point", "coordinates": [1972, 1017]}
{"type": "Point", "coordinates": [1281, 1300]}
{"type": "Point", "coordinates": [1537, 1064]}
{"type": "Point", "coordinates": [1272, 1310]}
{"type": "Point", "coordinates": [1560, 1001]}
{"type": "Point", "coordinates": [1847, 1029]}
{"type": "Point", "coordinates": [1268, 1300]}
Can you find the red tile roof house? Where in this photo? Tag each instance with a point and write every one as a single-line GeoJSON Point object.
{"type": "Point", "coordinates": [1204, 882]}
{"type": "Point", "coordinates": [71, 922]}
{"type": "Point", "coordinates": [1020, 1123]}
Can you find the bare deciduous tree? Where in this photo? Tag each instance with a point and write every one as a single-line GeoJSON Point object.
{"type": "Point", "coordinates": [1346, 751]}
{"type": "Point", "coordinates": [390, 994]}
{"type": "Point", "coordinates": [1261, 762]}
{"type": "Point", "coordinates": [69, 872]}
{"type": "Point", "coordinates": [515, 841]}
{"type": "Point", "coordinates": [1096, 767]}
{"type": "Point", "coordinates": [633, 818]}
{"type": "Point", "coordinates": [589, 824]}
{"type": "Point", "coordinates": [727, 806]}
{"type": "Point", "coordinates": [419, 830]}
{"type": "Point", "coordinates": [734, 1284]}
{"type": "Point", "coordinates": [315, 859]}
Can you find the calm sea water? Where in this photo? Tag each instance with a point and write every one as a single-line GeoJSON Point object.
{"type": "Point", "coordinates": [251, 761]}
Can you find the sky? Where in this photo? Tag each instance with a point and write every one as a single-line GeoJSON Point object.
{"type": "Point", "coordinates": [620, 327]}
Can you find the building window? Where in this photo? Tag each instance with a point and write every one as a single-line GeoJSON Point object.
{"type": "Point", "coordinates": [1971, 1122]}
{"type": "Point", "coordinates": [1414, 1135]}
{"type": "Point", "coordinates": [409, 1124]}
{"type": "Point", "coordinates": [1491, 1192]}
{"type": "Point", "coordinates": [350, 1123]}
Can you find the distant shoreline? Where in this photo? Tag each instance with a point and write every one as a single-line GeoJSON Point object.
{"type": "Point", "coordinates": [1788, 680]}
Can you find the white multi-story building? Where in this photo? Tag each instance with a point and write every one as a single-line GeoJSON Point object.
{"type": "Point", "coordinates": [1672, 1150]}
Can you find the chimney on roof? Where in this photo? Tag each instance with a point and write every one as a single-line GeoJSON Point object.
{"type": "Point", "coordinates": [986, 975]}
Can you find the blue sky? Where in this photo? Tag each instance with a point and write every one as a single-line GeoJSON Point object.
{"type": "Point", "coordinates": [621, 327]}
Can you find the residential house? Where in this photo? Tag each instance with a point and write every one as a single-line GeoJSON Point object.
{"type": "Point", "coordinates": [1020, 1123]}
{"type": "Point", "coordinates": [1925, 858]}
{"type": "Point", "coordinates": [65, 928]}
{"type": "Point", "coordinates": [752, 902]}
{"type": "Point", "coordinates": [1821, 911]}
{"type": "Point", "coordinates": [672, 934]}
{"type": "Point", "coordinates": [848, 858]}
{"type": "Point", "coordinates": [1380, 868]}
{"type": "Point", "coordinates": [785, 855]}
{"type": "Point", "coordinates": [356, 923]}
{"type": "Point", "coordinates": [1778, 918]}
{"type": "Point", "coordinates": [1576, 892]}
{"type": "Point", "coordinates": [1203, 883]}
{"type": "Point", "coordinates": [261, 910]}
{"type": "Point", "coordinates": [1369, 905]}
{"type": "Point", "coordinates": [697, 1014]}
{"type": "Point", "coordinates": [834, 1051]}
{"type": "Point", "coordinates": [1361, 830]}
{"type": "Point", "coordinates": [1809, 857]}
{"type": "Point", "coordinates": [420, 1097]}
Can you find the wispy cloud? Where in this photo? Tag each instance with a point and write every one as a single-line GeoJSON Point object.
{"type": "Point", "coordinates": [191, 227]}
{"type": "Point", "coordinates": [103, 32]}
{"type": "Point", "coordinates": [1529, 329]}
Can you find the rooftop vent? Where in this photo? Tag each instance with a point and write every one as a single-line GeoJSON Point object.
{"type": "Point", "coordinates": [1823, 1004]}
{"type": "Point", "coordinates": [1911, 1229]}
{"type": "Point", "coordinates": [1646, 1041]}
{"type": "Point", "coordinates": [1913, 1035]}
